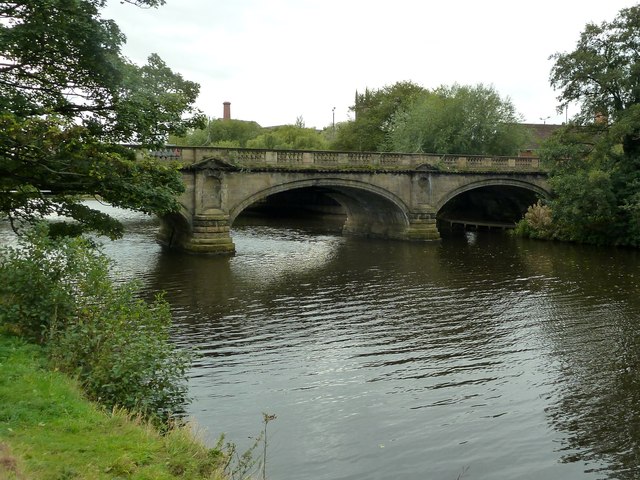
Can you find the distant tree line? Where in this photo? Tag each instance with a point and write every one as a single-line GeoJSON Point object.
{"type": "Point", "coordinates": [403, 117]}
{"type": "Point", "coordinates": [248, 134]}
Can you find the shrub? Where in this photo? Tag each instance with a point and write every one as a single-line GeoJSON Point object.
{"type": "Point", "coordinates": [58, 292]}
{"type": "Point", "coordinates": [119, 347]}
{"type": "Point", "coordinates": [41, 281]}
{"type": "Point", "coordinates": [537, 222]}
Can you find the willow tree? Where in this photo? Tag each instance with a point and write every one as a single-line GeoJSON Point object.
{"type": "Point", "coordinates": [458, 119]}
{"type": "Point", "coordinates": [68, 100]}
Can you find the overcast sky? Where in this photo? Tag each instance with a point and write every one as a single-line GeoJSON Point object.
{"type": "Point", "coordinates": [277, 60]}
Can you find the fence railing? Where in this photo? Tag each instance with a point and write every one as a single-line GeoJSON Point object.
{"type": "Point", "coordinates": [256, 158]}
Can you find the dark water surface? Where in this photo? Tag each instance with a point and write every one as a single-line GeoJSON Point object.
{"type": "Point", "coordinates": [509, 359]}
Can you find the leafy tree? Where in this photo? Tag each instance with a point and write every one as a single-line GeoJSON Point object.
{"type": "Point", "coordinates": [290, 137]}
{"type": "Point", "coordinates": [222, 133]}
{"type": "Point", "coordinates": [584, 203]}
{"type": "Point", "coordinates": [603, 75]}
{"type": "Point", "coordinates": [68, 99]}
{"type": "Point", "coordinates": [458, 119]}
{"type": "Point", "coordinates": [237, 131]}
{"type": "Point", "coordinates": [374, 111]}
{"type": "Point", "coordinates": [595, 161]}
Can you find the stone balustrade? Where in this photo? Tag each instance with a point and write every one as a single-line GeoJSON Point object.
{"type": "Point", "coordinates": [302, 159]}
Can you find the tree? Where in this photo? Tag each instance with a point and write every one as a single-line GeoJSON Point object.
{"type": "Point", "coordinates": [595, 162]}
{"type": "Point", "coordinates": [68, 100]}
{"type": "Point", "coordinates": [221, 132]}
{"type": "Point", "coordinates": [584, 203]}
{"type": "Point", "coordinates": [458, 119]}
{"type": "Point", "coordinates": [290, 137]}
{"type": "Point", "coordinates": [603, 75]}
{"type": "Point", "coordinates": [374, 111]}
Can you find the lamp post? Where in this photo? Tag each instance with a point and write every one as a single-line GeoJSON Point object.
{"type": "Point", "coordinates": [333, 117]}
{"type": "Point", "coordinates": [544, 119]}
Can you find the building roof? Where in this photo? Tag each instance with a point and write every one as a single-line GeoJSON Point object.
{"type": "Point", "coordinates": [539, 133]}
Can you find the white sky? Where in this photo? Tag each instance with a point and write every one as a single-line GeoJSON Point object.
{"type": "Point", "coordinates": [277, 60]}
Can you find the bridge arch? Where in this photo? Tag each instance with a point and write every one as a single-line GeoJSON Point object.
{"type": "Point", "coordinates": [493, 182]}
{"type": "Point", "coordinates": [335, 183]}
{"type": "Point", "coordinates": [371, 210]}
{"type": "Point", "coordinates": [175, 228]}
{"type": "Point", "coordinates": [495, 201]}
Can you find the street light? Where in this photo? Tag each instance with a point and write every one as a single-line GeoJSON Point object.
{"type": "Point", "coordinates": [333, 117]}
{"type": "Point", "coordinates": [544, 119]}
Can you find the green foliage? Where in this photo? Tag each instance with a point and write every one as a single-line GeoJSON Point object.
{"type": "Point", "coordinates": [405, 117]}
{"type": "Point", "coordinates": [374, 111]}
{"type": "Point", "coordinates": [585, 205]}
{"type": "Point", "coordinates": [458, 119]}
{"type": "Point", "coordinates": [289, 137]}
{"type": "Point", "coordinates": [595, 163]}
{"type": "Point", "coordinates": [54, 432]}
{"type": "Point", "coordinates": [537, 222]}
{"type": "Point", "coordinates": [602, 72]}
{"type": "Point", "coordinates": [58, 292]}
{"type": "Point", "coordinates": [119, 348]}
{"type": "Point", "coordinates": [595, 193]}
{"type": "Point", "coordinates": [46, 164]}
{"type": "Point", "coordinates": [60, 57]}
{"type": "Point", "coordinates": [39, 281]}
{"type": "Point", "coordinates": [221, 133]}
{"type": "Point", "coordinates": [67, 99]}
{"type": "Point", "coordinates": [242, 134]}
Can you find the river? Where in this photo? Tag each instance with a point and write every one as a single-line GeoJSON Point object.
{"type": "Point", "coordinates": [481, 357]}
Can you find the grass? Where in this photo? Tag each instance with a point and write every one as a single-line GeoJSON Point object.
{"type": "Point", "coordinates": [48, 431]}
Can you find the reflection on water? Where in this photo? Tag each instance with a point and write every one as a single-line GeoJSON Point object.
{"type": "Point", "coordinates": [516, 359]}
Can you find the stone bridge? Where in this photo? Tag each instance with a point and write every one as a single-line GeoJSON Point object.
{"type": "Point", "coordinates": [388, 195]}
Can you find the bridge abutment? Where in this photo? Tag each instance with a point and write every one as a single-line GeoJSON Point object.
{"type": "Point", "coordinates": [416, 226]}
{"type": "Point", "coordinates": [422, 227]}
{"type": "Point", "coordinates": [208, 233]}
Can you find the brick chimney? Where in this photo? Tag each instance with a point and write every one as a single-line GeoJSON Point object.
{"type": "Point", "coordinates": [226, 112]}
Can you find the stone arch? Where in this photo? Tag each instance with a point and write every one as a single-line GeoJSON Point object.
{"type": "Point", "coordinates": [336, 183]}
{"type": "Point", "coordinates": [493, 182]}
{"type": "Point", "coordinates": [371, 210]}
{"type": "Point", "coordinates": [175, 228]}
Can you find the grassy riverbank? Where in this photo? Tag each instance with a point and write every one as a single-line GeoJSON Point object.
{"type": "Point", "coordinates": [48, 430]}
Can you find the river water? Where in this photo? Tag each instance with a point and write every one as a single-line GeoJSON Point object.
{"type": "Point", "coordinates": [479, 357]}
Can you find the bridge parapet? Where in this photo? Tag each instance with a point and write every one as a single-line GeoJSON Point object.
{"type": "Point", "coordinates": [333, 160]}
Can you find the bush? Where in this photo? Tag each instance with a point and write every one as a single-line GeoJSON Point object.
{"type": "Point", "coordinates": [119, 347]}
{"type": "Point", "coordinates": [537, 222]}
{"type": "Point", "coordinates": [58, 292]}
{"type": "Point", "coordinates": [40, 281]}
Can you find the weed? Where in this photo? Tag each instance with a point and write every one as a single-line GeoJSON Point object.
{"type": "Point", "coordinates": [266, 418]}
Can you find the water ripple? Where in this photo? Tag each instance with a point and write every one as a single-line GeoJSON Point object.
{"type": "Point", "coordinates": [396, 360]}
